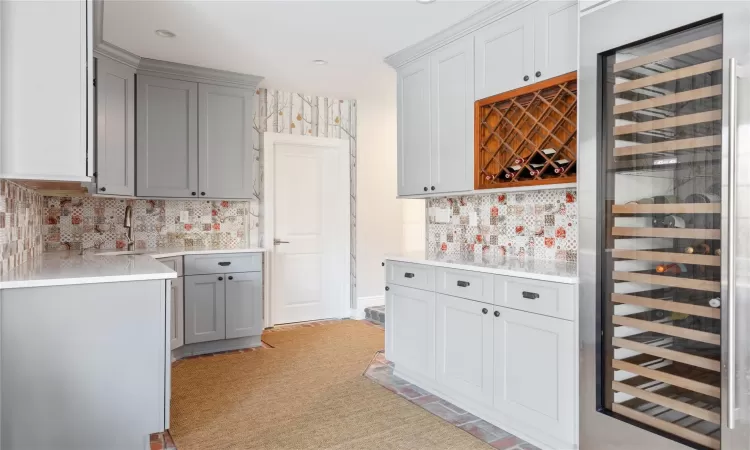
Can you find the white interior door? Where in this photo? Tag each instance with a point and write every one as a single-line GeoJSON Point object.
{"type": "Point", "coordinates": [308, 207]}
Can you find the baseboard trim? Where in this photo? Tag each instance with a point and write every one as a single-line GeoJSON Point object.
{"type": "Point", "coordinates": [366, 302]}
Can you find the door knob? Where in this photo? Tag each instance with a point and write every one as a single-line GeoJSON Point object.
{"type": "Point", "coordinates": [484, 311]}
{"type": "Point", "coordinates": [230, 277]}
{"type": "Point", "coordinates": [221, 278]}
{"type": "Point", "coordinates": [538, 74]}
{"type": "Point", "coordinates": [497, 313]}
{"type": "Point", "coordinates": [525, 78]}
{"type": "Point", "coordinates": [425, 188]}
{"type": "Point", "coordinates": [279, 241]}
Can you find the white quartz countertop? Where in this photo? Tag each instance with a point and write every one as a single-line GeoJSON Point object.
{"type": "Point", "coordinates": [69, 267]}
{"type": "Point", "coordinates": [536, 269]}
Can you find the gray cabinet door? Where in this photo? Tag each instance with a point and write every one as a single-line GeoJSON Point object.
{"type": "Point", "coordinates": [177, 309]}
{"type": "Point", "coordinates": [555, 39]}
{"type": "Point", "coordinates": [115, 128]}
{"type": "Point", "coordinates": [452, 122]}
{"type": "Point", "coordinates": [414, 127]}
{"type": "Point", "coordinates": [244, 301]}
{"type": "Point", "coordinates": [204, 308]}
{"type": "Point", "coordinates": [167, 142]}
{"type": "Point", "coordinates": [225, 149]}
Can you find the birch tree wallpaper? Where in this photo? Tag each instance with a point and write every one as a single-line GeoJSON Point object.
{"type": "Point", "coordinates": [295, 113]}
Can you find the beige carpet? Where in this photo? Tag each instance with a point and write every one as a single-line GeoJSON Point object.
{"type": "Point", "coordinates": [307, 393]}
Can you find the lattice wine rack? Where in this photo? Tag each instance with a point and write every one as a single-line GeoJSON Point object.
{"type": "Point", "coordinates": [527, 136]}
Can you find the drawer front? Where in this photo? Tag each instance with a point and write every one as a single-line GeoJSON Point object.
{"type": "Point", "coordinates": [465, 283]}
{"type": "Point", "coordinates": [174, 263]}
{"type": "Point", "coordinates": [540, 297]}
{"type": "Point", "coordinates": [222, 263]}
{"type": "Point", "coordinates": [411, 275]}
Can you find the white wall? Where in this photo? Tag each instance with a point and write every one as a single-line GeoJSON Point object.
{"type": "Point", "coordinates": [413, 237]}
{"type": "Point", "coordinates": [379, 213]}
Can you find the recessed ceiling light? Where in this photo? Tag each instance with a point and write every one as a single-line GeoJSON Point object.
{"type": "Point", "coordinates": [165, 33]}
{"type": "Point", "coordinates": [320, 62]}
{"type": "Point", "coordinates": [424, 2]}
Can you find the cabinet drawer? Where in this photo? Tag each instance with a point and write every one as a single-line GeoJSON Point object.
{"type": "Point", "coordinates": [174, 263]}
{"type": "Point", "coordinates": [540, 297]}
{"type": "Point", "coordinates": [223, 263]}
{"type": "Point", "coordinates": [411, 275]}
{"type": "Point", "coordinates": [465, 283]}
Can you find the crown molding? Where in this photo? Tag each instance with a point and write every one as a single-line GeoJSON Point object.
{"type": "Point", "coordinates": [482, 17]}
{"type": "Point", "coordinates": [186, 72]}
{"type": "Point", "coordinates": [104, 48]}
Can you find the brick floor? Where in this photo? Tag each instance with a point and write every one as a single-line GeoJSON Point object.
{"type": "Point", "coordinates": [380, 371]}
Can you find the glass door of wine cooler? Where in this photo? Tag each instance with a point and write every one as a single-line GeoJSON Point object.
{"type": "Point", "coordinates": [669, 349]}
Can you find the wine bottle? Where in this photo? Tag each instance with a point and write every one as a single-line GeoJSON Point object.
{"type": "Point", "coordinates": [700, 248]}
{"type": "Point", "coordinates": [535, 168]}
{"type": "Point", "coordinates": [703, 198]}
{"type": "Point", "coordinates": [561, 163]}
{"type": "Point", "coordinates": [717, 252]}
{"type": "Point", "coordinates": [669, 221]}
{"type": "Point", "coordinates": [671, 269]}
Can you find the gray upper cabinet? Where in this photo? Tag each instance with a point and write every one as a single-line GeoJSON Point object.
{"type": "Point", "coordinates": [555, 39]}
{"type": "Point", "coordinates": [115, 127]}
{"type": "Point", "coordinates": [167, 146]}
{"type": "Point", "coordinates": [225, 148]}
{"type": "Point", "coordinates": [244, 304]}
{"type": "Point", "coordinates": [204, 308]}
{"type": "Point", "coordinates": [414, 127]}
{"type": "Point", "coordinates": [505, 54]}
{"type": "Point", "coordinates": [452, 121]}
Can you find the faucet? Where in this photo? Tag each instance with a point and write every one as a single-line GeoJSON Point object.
{"type": "Point", "coordinates": [129, 225]}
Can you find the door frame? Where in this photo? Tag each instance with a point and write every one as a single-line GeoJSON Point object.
{"type": "Point", "coordinates": [270, 141]}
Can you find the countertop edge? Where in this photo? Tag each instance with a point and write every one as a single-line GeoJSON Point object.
{"type": "Point", "coordinates": [85, 280]}
{"type": "Point", "coordinates": [475, 268]}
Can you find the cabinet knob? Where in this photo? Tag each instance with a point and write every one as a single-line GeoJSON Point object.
{"type": "Point", "coordinates": [432, 187]}
{"type": "Point", "coordinates": [203, 193]}
{"type": "Point", "coordinates": [484, 311]}
{"type": "Point", "coordinates": [387, 288]}
{"type": "Point", "coordinates": [102, 189]}
{"type": "Point", "coordinates": [192, 193]}
{"type": "Point", "coordinates": [497, 313]}
{"type": "Point", "coordinates": [230, 277]}
{"type": "Point", "coordinates": [382, 264]}
{"type": "Point", "coordinates": [526, 78]}
{"type": "Point", "coordinates": [425, 188]}
{"type": "Point", "coordinates": [538, 74]}
{"type": "Point", "coordinates": [221, 278]}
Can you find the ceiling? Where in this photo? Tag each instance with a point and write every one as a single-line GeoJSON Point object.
{"type": "Point", "coordinates": [279, 39]}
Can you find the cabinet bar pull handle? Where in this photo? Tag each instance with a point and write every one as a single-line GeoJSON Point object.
{"type": "Point", "coordinates": [530, 295]}
{"type": "Point", "coordinates": [463, 283]}
{"type": "Point", "coordinates": [225, 263]}
{"type": "Point", "coordinates": [409, 275]}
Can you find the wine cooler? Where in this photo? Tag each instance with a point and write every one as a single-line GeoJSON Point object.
{"type": "Point", "coordinates": [664, 309]}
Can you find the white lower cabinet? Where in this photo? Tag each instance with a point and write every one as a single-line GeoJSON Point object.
{"type": "Point", "coordinates": [534, 371]}
{"type": "Point", "coordinates": [464, 347]}
{"type": "Point", "coordinates": [410, 334]}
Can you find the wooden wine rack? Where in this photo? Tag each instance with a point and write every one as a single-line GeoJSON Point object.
{"type": "Point", "coordinates": [513, 130]}
{"type": "Point", "coordinates": [664, 358]}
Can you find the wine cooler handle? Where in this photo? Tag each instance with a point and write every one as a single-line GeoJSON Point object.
{"type": "Point", "coordinates": [731, 228]}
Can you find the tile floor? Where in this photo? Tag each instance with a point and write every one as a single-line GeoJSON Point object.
{"type": "Point", "coordinates": [380, 371]}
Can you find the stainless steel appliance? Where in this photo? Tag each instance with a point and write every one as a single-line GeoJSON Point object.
{"type": "Point", "coordinates": [664, 206]}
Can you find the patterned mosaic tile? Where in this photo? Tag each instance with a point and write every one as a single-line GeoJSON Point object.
{"type": "Point", "coordinates": [21, 218]}
{"type": "Point", "coordinates": [380, 371]}
{"type": "Point", "coordinates": [542, 224]}
{"type": "Point", "coordinates": [96, 222]}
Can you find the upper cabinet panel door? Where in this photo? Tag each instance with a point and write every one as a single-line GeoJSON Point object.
{"type": "Point", "coordinates": [45, 90]}
{"type": "Point", "coordinates": [452, 121]}
{"type": "Point", "coordinates": [205, 314]}
{"type": "Point", "coordinates": [225, 149]}
{"type": "Point", "coordinates": [464, 347]}
{"type": "Point", "coordinates": [244, 301]}
{"type": "Point", "coordinates": [167, 142]}
{"type": "Point", "coordinates": [115, 128]}
{"type": "Point", "coordinates": [505, 54]}
{"type": "Point", "coordinates": [555, 39]}
{"type": "Point", "coordinates": [535, 359]}
{"type": "Point", "coordinates": [414, 127]}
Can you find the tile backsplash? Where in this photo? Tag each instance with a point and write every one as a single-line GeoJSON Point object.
{"type": "Point", "coordinates": [540, 224]}
{"type": "Point", "coordinates": [96, 222]}
{"type": "Point", "coordinates": [21, 218]}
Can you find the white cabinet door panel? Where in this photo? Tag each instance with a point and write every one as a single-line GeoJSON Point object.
{"type": "Point", "coordinates": [244, 304]}
{"type": "Point", "coordinates": [535, 371]}
{"type": "Point", "coordinates": [410, 334]}
{"type": "Point", "coordinates": [452, 116]}
{"type": "Point", "coordinates": [504, 54]}
{"type": "Point", "coordinates": [464, 347]}
{"type": "Point", "coordinates": [555, 39]}
{"type": "Point", "coordinates": [414, 127]}
{"type": "Point", "coordinates": [205, 317]}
